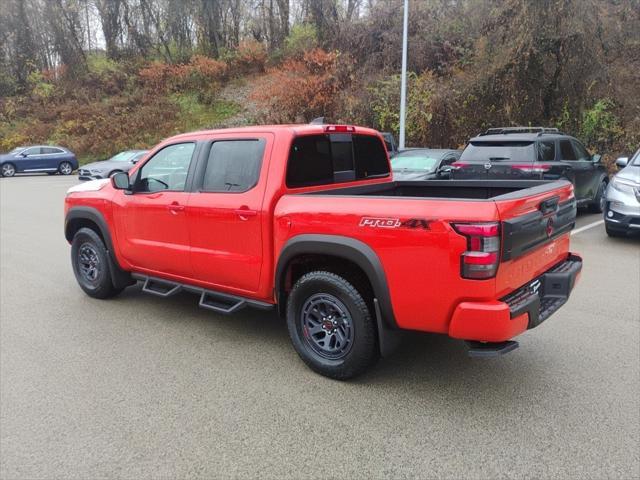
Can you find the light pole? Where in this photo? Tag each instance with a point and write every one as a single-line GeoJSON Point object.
{"type": "Point", "coordinates": [403, 81]}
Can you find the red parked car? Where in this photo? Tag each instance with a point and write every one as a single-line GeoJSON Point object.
{"type": "Point", "coordinates": [308, 220]}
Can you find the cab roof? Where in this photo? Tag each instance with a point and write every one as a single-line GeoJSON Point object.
{"type": "Point", "coordinates": [295, 129]}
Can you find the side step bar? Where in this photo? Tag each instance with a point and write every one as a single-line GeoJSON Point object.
{"type": "Point", "coordinates": [219, 302]}
{"type": "Point", "coordinates": [489, 349]}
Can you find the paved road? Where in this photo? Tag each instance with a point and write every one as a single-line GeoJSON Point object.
{"type": "Point", "coordinates": [140, 387]}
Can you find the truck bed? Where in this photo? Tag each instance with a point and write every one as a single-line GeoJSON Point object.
{"type": "Point", "coordinates": [451, 189]}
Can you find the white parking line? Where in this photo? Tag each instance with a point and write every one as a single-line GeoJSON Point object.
{"type": "Point", "coordinates": [587, 227]}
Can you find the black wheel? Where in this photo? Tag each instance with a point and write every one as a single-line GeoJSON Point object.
{"type": "Point", "coordinates": [8, 169]}
{"type": "Point", "coordinates": [597, 206]}
{"type": "Point", "coordinates": [331, 326]}
{"type": "Point", "coordinates": [91, 266]}
{"type": "Point", "coordinates": [65, 168]}
{"type": "Point", "coordinates": [111, 174]}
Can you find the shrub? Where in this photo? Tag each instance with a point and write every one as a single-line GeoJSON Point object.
{"type": "Point", "coordinates": [600, 127]}
{"type": "Point", "coordinates": [385, 105]}
{"type": "Point", "coordinates": [301, 39]}
{"type": "Point", "coordinates": [306, 88]}
{"type": "Point", "coordinates": [40, 88]}
{"type": "Point", "coordinates": [201, 73]}
{"type": "Point", "coordinates": [250, 57]}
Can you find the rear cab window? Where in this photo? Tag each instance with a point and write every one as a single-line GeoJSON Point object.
{"type": "Point", "coordinates": [330, 158]}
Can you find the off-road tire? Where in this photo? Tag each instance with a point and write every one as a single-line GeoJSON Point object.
{"type": "Point", "coordinates": [363, 351]}
{"type": "Point", "coordinates": [86, 240]}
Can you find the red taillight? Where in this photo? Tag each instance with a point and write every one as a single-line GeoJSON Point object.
{"type": "Point", "coordinates": [459, 164]}
{"type": "Point", "coordinates": [339, 128]}
{"type": "Point", "coordinates": [481, 229]}
{"type": "Point", "coordinates": [481, 259]}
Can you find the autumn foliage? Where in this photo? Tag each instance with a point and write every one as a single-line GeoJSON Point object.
{"type": "Point", "coordinates": [201, 72]}
{"type": "Point", "coordinates": [300, 89]}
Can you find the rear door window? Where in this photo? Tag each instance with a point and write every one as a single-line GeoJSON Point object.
{"type": "Point", "coordinates": [581, 152]}
{"type": "Point", "coordinates": [547, 151]}
{"type": "Point", "coordinates": [333, 158]}
{"type": "Point", "coordinates": [233, 165]}
{"type": "Point", "coordinates": [566, 150]}
{"type": "Point", "coordinates": [51, 150]}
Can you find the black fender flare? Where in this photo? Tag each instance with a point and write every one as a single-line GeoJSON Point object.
{"type": "Point", "coordinates": [119, 277]}
{"type": "Point", "coordinates": [357, 252]}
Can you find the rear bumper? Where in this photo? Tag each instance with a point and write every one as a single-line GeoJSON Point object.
{"type": "Point", "coordinates": [524, 308]}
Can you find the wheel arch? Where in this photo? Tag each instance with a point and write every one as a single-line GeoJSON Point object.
{"type": "Point", "coordinates": [89, 217]}
{"type": "Point", "coordinates": [316, 250]}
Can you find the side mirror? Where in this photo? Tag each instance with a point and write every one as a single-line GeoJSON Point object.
{"type": "Point", "coordinates": [120, 181]}
{"type": "Point", "coordinates": [596, 158]}
{"type": "Point", "coordinates": [622, 162]}
{"type": "Point", "coordinates": [445, 171]}
{"type": "Point", "coordinates": [23, 154]}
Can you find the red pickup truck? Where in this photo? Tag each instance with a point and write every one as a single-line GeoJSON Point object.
{"type": "Point", "coordinates": [307, 219]}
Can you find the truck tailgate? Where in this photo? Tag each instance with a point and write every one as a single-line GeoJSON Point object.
{"type": "Point", "coordinates": [535, 233]}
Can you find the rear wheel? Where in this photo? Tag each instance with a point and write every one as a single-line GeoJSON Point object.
{"type": "Point", "coordinates": [8, 169]}
{"type": "Point", "coordinates": [65, 168]}
{"type": "Point", "coordinates": [331, 326]}
{"type": "Point", "coordinates": [597, 206]}
{"type": "Point", "coordinates": [91, 265]}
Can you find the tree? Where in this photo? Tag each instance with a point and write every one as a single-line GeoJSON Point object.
{"type": "Point", "coordinates": [110, 19]}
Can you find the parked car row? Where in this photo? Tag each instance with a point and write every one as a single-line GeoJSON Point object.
{"type": "Point", "coordinates": [532, 153]}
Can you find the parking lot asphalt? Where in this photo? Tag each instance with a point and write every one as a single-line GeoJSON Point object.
{"type": "Point", "coordinates": [143, 387]}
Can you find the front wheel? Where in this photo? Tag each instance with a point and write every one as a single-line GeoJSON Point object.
{"type": "Point", "coordinates": [90, 261]}
{"type": "Point", "coordinates": [8, 170]}
{"type": "Point", "coordinates": [597, 206]}
{"type": "Point", "coordinates": [65, 168]}
{"type": "Point", "coordinates": [331, 326]}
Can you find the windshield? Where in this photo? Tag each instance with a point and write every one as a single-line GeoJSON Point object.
{"type": "Point", "coordinates": [498, 151]}
{"type": "Point", "coordinates": [414, 161]}
{"type": "Point", "coordinates": [16, 150]}
{"type": "Point", "coordinates": [122, 157]}
{"type": "Point", "coordinates": [635, 161]}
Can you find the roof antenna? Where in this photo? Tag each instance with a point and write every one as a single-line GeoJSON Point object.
{"type": "Point", "coordinates": [317, 121]}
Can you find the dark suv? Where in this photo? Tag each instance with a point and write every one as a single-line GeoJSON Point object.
{"type": "Point", "coordinates": [518, 153]}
